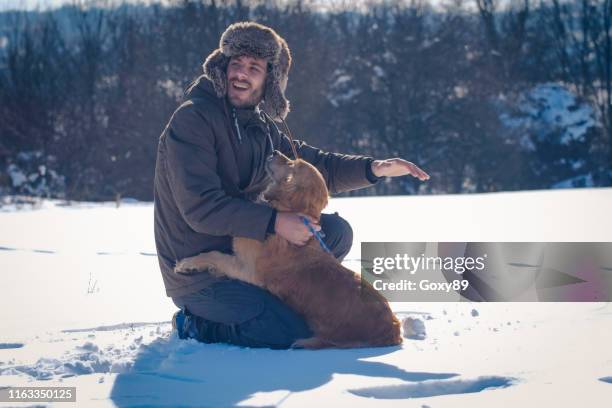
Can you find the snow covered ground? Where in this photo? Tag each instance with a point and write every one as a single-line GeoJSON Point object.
{"type": "Point", "coordinates": [82, 304]}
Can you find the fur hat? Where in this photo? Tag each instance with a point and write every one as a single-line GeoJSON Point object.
{"type": "Point", "coordinates": [256, 40]}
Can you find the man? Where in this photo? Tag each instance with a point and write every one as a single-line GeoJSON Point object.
{"type": "Point", "coordinates": [210, 170]}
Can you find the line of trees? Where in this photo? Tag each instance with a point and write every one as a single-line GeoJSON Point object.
{"type": "Point", "coordinates": [85, 90]}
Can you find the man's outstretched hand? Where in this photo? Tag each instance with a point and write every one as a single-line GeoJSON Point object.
{"type": "Point", "coordinates": [397, 167]}
{"type": "Point", "coordinates": [291, 227]}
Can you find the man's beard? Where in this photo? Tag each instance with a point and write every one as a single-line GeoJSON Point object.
{"type": "Point", "coordinates": [250, 101]}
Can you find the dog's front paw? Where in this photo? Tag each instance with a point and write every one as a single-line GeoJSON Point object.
{"type": "Point", "coordinates": [186, 266]}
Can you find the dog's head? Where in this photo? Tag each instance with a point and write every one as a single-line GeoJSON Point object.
{"type": "Point", "coordinates": [295, 186]}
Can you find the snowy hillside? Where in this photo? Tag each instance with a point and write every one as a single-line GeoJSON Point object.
{"type": "Point", "coordinates": [83, 305]}
{"type": "Point", "coordinates": [552, 123]}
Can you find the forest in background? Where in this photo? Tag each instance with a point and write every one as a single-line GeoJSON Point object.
{"type": "Point", "coordinates": [483, 97]}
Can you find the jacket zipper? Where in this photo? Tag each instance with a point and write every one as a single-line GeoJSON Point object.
{"type": "Point", "coordinates": [237, 126]}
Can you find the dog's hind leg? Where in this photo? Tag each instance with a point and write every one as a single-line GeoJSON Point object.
{"type": "Point", "coordinates": [218, 264]}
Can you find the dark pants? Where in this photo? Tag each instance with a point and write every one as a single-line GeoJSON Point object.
{"type": "Point", "coordinates": [235, 312]}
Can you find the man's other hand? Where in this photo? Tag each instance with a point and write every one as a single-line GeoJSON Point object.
{"type": "Point", "coordinates": [290, 226]}
{"type": "Point", "coordinates": [397, 167]}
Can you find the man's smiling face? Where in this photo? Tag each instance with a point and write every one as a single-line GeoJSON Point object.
{"type": "Point", "coordinates": [246, 77]}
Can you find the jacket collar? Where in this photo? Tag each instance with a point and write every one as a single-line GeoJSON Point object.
{"type": "Point", "coordinates": [248, 117]}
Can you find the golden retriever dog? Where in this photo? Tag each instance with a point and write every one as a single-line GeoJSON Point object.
{"type": "Point", "coordinates": [340, 309]}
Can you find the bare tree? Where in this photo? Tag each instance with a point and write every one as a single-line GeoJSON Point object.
{"type": "Point", "coordinates": [505, 33]}
{"type": "Point", "coordinates": [583, 45]}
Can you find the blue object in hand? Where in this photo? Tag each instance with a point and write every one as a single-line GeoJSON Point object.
{"type": "Point", "coordinates": [316, 234]}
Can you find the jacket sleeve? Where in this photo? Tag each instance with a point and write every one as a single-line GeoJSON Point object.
{"type": "Point", "coordinates": [342, 172]}
{"type": "Point", "coordinates": [196, 186]}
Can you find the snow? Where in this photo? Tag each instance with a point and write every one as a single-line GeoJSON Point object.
{"type": "Point", "coordinates": [16, 175]}
{"type": "Point", "coordinates": [413, 328]}
{"type": "Point", "coordinates": [341, 89]}
{"type": "Point", "coordinates": [115, 343]}
{"type": "Point", "coordinates": [172, 88]}
{"type": "Point", "coordinates": [29, 177]}
{"type": "Point", "coordinates": [548, 109]}
{"type": "Point", "coordinates": [584, 180]}
{"type": "Point", "coordinates": [378, 71]}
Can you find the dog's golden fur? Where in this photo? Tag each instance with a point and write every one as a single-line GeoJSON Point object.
{"type": "Point", "coordinates": [341, 310]}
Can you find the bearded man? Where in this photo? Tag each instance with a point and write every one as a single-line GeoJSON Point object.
{"type": "Point", "coordinates": [209, 172]}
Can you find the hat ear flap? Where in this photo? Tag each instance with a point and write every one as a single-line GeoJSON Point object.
{"type": "Point", "coordinates": [214, 69]}
{"type": "Point", "coordinates": [284, 64]}
{"type": "Point", "coordinates": [275, 103]}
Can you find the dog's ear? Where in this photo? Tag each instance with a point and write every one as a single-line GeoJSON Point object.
{"type": "Point", "coordinates": [308, 192]}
